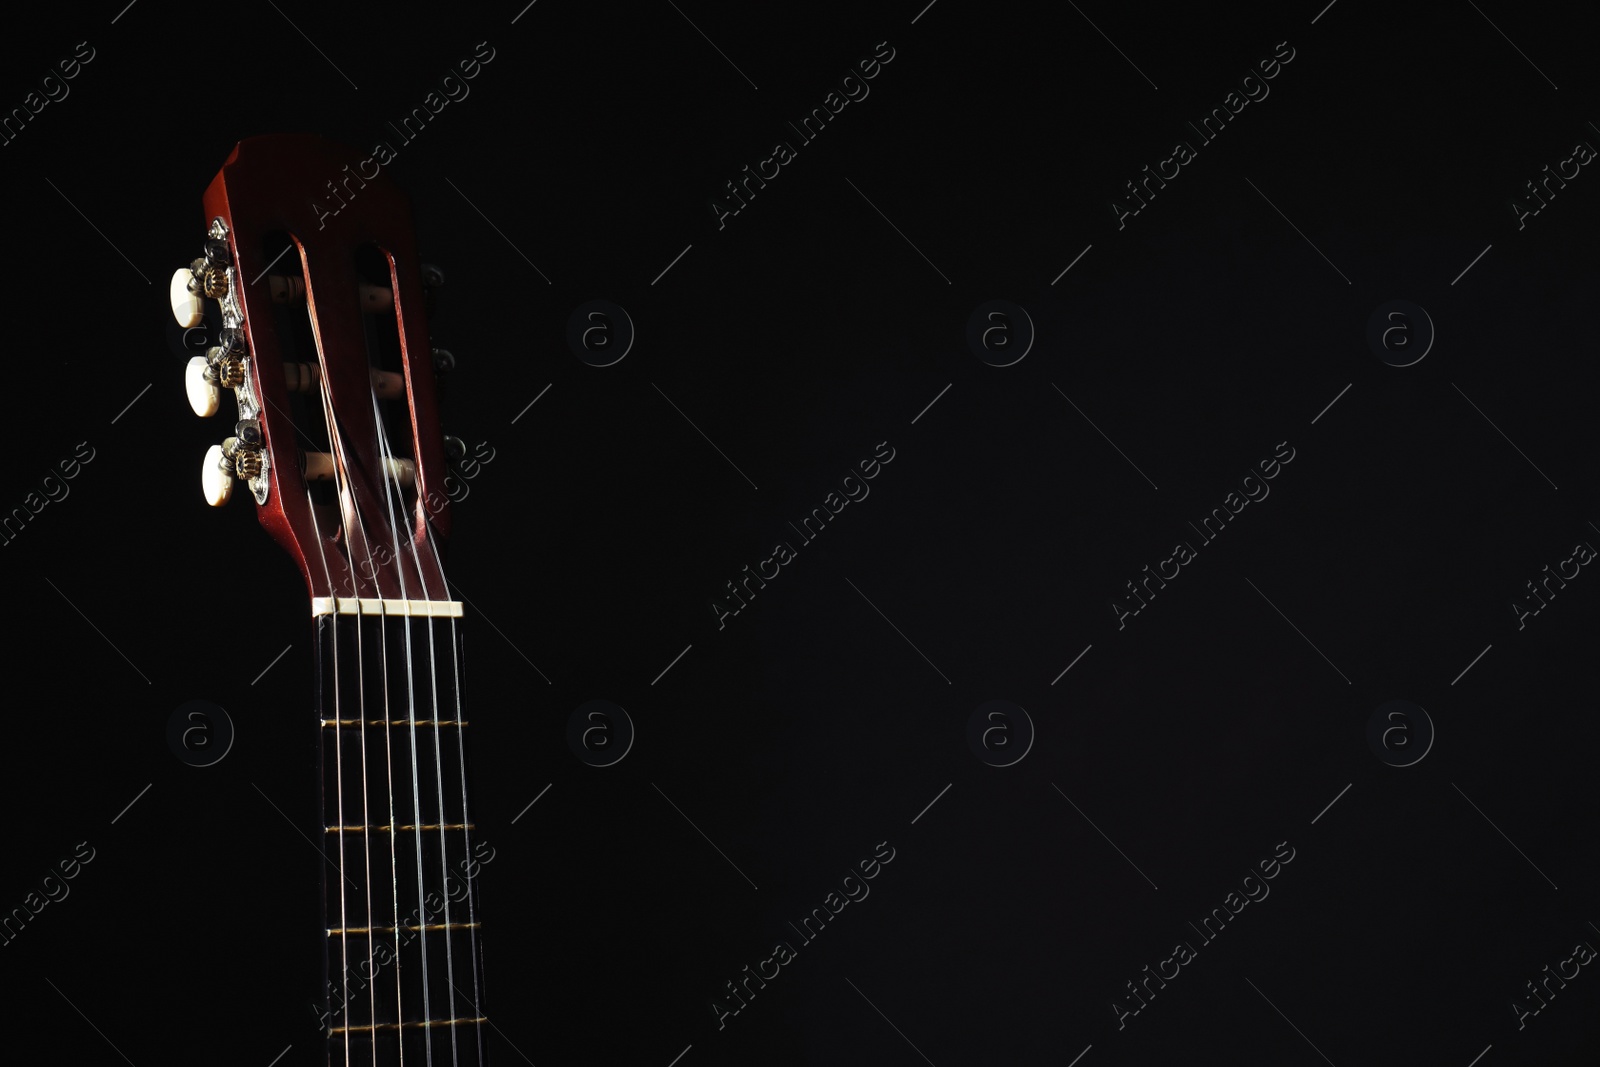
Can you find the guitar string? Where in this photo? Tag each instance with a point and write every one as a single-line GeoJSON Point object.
{"type": "Point", "coordinates": [338, 762]}
{"type": "Point", "coordinates": [366, 834]}
{"type": "Point", "coordinates": [394, 835]}
{"type": "Point", "coordinates": [474, 962]}
{"type": "Point", "coordinates": [341, 467]}
{"type": "Point", "coordinates": [461, 756]}
{"type": "Point", "coordinates": [416, 792]}
{"type": "Point", "coordinates": [391, 491]}
{"type": "Point", "coordinates": [386, 456]}
{"type": "Point", "coordinates": [394, 841]}
{"type": "Point", "coordinates": [338, 742]}
{"type": "Point", "coordinates": [442, 594]}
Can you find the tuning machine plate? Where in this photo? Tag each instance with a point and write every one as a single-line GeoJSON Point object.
{"type": "Point", "coordinates": [224, 366]}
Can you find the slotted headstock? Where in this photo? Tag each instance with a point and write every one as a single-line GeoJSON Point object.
{"type": "Point", "coordinates": [312, 284]}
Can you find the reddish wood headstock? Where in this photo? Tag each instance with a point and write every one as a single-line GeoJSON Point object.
{"type": "Point", "coordinates": [345, 294]}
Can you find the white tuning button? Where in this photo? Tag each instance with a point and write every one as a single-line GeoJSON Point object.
{"type": "Point", "coordinates": [185, 304]}
{"type": "Point", "coordinates": [204, 395]}
{"type": "Point", "coordinates": [215, 481]}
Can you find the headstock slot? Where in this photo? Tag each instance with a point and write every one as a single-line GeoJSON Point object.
{"type": "Point", "coordinates": [382, 328]}
{"type": "Point", "coordinates": [385, 355]}
{"type": "Point", "coordinates": [297, 344]}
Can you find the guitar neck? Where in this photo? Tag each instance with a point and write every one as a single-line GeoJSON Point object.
{"type": "Point", "coordinates": [337, 441]}
{"type": "Point", "coordinates": [404, 976]}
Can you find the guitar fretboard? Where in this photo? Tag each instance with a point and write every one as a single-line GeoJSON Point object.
{"type": "Point", "coordinates": [404, 974]}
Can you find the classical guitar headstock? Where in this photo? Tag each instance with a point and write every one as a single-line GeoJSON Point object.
{"type": "Point", "coordinates": [314, 298]}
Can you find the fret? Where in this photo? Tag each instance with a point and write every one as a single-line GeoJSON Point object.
{"type": "Point", "coordinates": [429, 1024]}
{"type": "Point", "coordinates": [391, 829]}
{"type": "Point", "coordinates": [409, 927]}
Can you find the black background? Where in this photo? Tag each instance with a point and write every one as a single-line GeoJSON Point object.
{"type": "Point", "coordinates": [797, 337]}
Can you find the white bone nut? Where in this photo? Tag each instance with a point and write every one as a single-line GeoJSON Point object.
{"type": "Point", "coordinates": [203, 395]}
{"type": "Point", "coordinates": [186, 306]}
{"type": "Point", "coordinates": [216, 483]}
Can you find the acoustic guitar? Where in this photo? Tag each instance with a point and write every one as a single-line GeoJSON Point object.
{"type": "Point", "coordinates": [314, 305]}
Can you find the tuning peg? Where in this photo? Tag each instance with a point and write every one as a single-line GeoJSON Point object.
{"type": "Point", "coordinates": [216, 477]}
{"type": "Point", "coordinates": [225, 462]}
{"type": "Point", "coordinates": [455, 449]}
{"type": "Point", "coordinates": [200, 381]}
{"type": "Point", "coordinates": [200, 278]}
{"type": "Point", "coordinates": [185, 301]}
{"type": "Point", "coordinates": [444, 361]}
